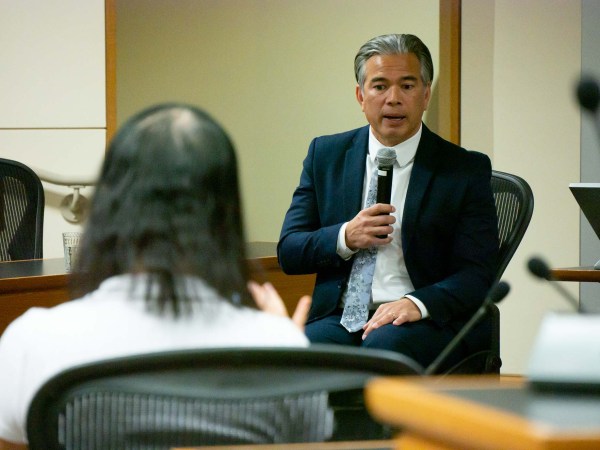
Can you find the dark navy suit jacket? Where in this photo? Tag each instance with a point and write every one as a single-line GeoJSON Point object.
{"type": "Point", "coordinates": [449, 226]}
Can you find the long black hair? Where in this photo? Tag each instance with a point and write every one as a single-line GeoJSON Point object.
{"type": "Point", "coordinates": [167, 204]}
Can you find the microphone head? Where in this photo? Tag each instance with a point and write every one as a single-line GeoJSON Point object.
{"type": "Point", "coordinates": [499, 291]}
{"type": "Point", "coordinates": [588, 94]}
{"type": "Point", "coordinates": [385, 158]}
{"type": "Point", "coordinates": [539, 268]}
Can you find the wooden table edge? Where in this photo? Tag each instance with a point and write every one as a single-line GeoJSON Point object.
{"type": "Point", "coordinates": [414, 404]}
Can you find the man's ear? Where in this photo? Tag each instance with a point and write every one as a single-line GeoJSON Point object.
{"type": "Point", "coordinates": [427, 97]}
{"type": "Point", "coordinates": [359, 96]}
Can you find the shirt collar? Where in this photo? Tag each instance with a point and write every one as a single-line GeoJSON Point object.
{"type": "Point", "coordinates": [405, 151]}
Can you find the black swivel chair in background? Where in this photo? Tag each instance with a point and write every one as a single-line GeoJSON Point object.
{"type": "Point", "coordinates": [21, 212]}
{"type": "Point", "coordinates": [212, 397]}
{"type": "Point", "coordinates": [514, 206]}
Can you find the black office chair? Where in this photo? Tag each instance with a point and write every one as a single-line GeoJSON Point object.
{"type": "Point", "coordinates": [22, 212]}
{"type": "Point", "coordinates": [514, 206]}
{"type": "Point", "coordinates": [212, 397]}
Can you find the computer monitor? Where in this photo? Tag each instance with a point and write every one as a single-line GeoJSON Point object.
{"type": "Point", "coordinates": [588, 197]}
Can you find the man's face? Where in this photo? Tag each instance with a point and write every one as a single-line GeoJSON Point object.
{"type": "Point", "coordinates": [394, 97]}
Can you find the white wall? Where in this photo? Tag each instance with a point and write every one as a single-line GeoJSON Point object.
{"type": "Point", "coordinates": [519, 65]}
{"type": "Point", "coordinates": [52, 86]}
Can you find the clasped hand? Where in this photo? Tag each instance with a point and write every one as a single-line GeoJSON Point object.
{"type": "Point", "coordinates": [362, 231]}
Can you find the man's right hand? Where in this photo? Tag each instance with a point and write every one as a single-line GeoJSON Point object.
{"type": "Point", "coordinates": [362, 231]}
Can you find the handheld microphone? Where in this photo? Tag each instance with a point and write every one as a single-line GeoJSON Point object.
{"type": "Point", "coordinates": [385, 174]}
{"type": "Point", "coordinates": [538, 267]}
{"type": "Point", "coordinates": [495, 295]}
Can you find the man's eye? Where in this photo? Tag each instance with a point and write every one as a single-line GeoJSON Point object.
{"type": "Point", "coordinates": [408, 87]}
{"type": "Point", "coordinates": [379, 87]}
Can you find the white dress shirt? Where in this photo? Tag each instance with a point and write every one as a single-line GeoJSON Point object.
{"type": "Point", "coordinates": [390, 281]}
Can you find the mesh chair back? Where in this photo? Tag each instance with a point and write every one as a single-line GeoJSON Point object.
{"type": "Point", "coordinates": [514, 207]}
{"type": "Point", "coordinates": [207, 397]}
{"type": "Point", "coordinates": [21, 212]}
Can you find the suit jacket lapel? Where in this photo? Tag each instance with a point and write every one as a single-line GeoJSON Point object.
{"type": "Point", "coordinates": [420, 177]}
{"type": "Point", "coordinates": [354, 173]}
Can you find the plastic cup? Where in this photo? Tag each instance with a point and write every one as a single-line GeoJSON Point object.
{"type": "Point", "coordinates": [71, 245]}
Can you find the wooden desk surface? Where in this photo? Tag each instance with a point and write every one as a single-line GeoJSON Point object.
{"type": "Point", "coordinates": [482, 413]}
{"type": "Point", "coordinates": [38, 272]}
{"type": "Point", "coordinates": [581, 274]}
{"type": "Point", "coordinates": [44, 282]}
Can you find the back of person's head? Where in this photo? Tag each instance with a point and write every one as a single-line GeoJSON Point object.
{"type": "Point", "coordinates": [393, 44]}
{"type": "Point", "coordinates": [167, 204]}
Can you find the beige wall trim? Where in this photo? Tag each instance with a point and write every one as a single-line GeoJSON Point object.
{"type": "Point", "coordinates": [111, 67]}
{"type": "Point", "coordinates": [449, 76]}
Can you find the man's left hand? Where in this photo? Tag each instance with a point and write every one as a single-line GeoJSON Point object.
{"type": "Point", "coordinates": [397, 313]}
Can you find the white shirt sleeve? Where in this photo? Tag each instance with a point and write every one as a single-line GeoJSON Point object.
{"type": "Point", "coordinates": [420, 305]}
{"type": "Point", "coordinates": [342, 249]}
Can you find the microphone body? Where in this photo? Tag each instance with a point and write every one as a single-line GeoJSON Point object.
{"type": "Point", "coordinates": [588, 95]}
{"type": "Point", "coordinates": [385, 175]}
{"type": "Point", "coordinates": [540, 269]}
{"type": "Point", "coordinates": [495, 295]}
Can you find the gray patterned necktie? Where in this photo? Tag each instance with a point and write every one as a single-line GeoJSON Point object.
{"type": "Point", "coordinates": [357, 295]}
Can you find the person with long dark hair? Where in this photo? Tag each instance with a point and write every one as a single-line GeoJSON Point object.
{"type": "Point", "coordinates": [161, 265]}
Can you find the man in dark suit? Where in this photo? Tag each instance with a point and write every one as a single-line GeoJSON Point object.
{"type": "Point", "coordinates": [437, 257]}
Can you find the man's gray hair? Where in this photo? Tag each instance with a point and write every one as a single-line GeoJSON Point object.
{"type": "Point", "coordinates": [393, 44]}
